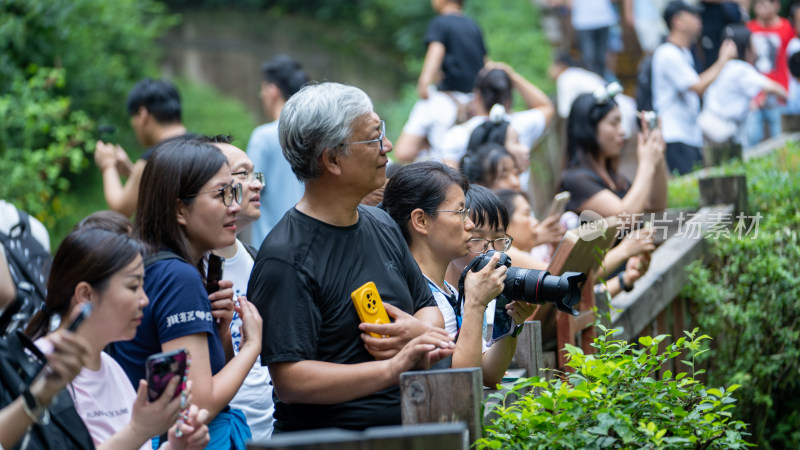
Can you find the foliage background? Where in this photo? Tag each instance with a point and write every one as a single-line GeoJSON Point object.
{"type": "Point", "coordinates": [748, 297]}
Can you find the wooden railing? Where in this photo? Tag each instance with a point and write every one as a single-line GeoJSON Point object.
{"type": "Point", "coordinates": [442, 409]}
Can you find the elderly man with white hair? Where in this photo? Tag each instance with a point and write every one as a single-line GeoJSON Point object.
{"type": "Point", "coordinates": [325, 370]}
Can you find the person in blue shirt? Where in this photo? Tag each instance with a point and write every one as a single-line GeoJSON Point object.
{"type": "Point", "coordinates": [188, 202]}
{"type": "Point", "coordinates": [283, 76]}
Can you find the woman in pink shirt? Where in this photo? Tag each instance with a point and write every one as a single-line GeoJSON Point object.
{"type": "Point", "coordinates": [105, 269]}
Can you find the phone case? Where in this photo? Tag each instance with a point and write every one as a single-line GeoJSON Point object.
{"type": "Point", "coordinates": [214, 274]}
{"type": "Point", "coordinates": [369, 305]}
{"type": "Point", "coordinates": [559, 204]}
{"type": "Point", "coordinates": [161, 367]}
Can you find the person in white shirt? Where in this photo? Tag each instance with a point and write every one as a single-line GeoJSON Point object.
{"type": "Point", "coordinates": [677, 87]}
{"type": "Point", "coordinates": [726, 102]}
{"type": "Point", "coordinates": [492, 103]}
{"type": "Point", "coordinates": [254, 398]}
{"type": "Point", "coordinates": [593, 19]}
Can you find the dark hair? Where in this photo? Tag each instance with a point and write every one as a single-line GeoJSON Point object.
{"type": "Point", "coordinates": [740, 35]}
{"type": "Point", "coordinates": [106, 220]}
{"type": "Point", "coordinates": [159, 98]}
{"type": "Point", "coordinates": [507, 196]}
{"type": "Point", "coordinates": [421, 185]}
{"type": "Point", "coordinates": [87, 254]}
{"type": "Point", "coordinates": [794, 65]}
{"type": "Point", "coordinates": [286, 73]}
{"type": "Point", "coordinates": [582, 122]}
{"type": "Point", "coordinates": [217, 139]}
{"type": "Point", "coordinates": [489, 132]}
{"type": "Point", "coordinates": [480, 166]}
{"type": "Point", "coordinates": [486, 208]}
{"type": "Point", "coordinates": [177, 169]}
{"type": "Point", "coordinates": [494, 87]}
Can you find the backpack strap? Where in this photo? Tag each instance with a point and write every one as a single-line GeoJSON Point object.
{"type": "Point", "coordinates": [251, 250]}
{"type": "Point", "coordinates": [22, 232]}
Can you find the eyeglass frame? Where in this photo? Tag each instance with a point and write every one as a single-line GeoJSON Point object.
{"type": "Point", "coordinates": [507, 238]}
{"type": "Point", "coordinates": [235, 188]}
{"type": "Point", "coordinates": [464, 213]}
{"type": "Point", "coordinates": [250, 175]}
{"type": "Point", "coordinates": [379, 140]}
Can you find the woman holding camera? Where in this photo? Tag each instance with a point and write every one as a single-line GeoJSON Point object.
{"type": "Point", "coordinates": [427, 200]}
{"type": "Point", "coordinates": [103, 268]}
{"type": "Point", "coordinates": [595, 138]}
{"type": "Point", "coordinates": [188, 201]}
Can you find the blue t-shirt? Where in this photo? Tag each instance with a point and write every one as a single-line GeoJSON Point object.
{"type": "Point", "coordinates": [282, 190]}
{"type": "Point", "coordinates": [178, 307]}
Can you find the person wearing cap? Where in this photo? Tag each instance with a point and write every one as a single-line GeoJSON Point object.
{"type": "Point", "coordinates": [677, 87]}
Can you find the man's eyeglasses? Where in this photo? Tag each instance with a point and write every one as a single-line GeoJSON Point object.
{"type": "Point", "coordinates": [464, 213]}
{"type": "Point", "coordinates": [379, 140]}
{"type": "Point", "coordinates": [478, 245]}
{"type": "Point", "coordinates": [247, 176]}
{"type": "Point", "coordinates": [229, 193]}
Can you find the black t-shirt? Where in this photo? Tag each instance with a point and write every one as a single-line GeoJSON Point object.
{"type": "Point", "coordinates": [464, 50]}
{"type": "Point", "coordinates": [583, 183]}
{"type": "Point", "coordinates": [301, 283]}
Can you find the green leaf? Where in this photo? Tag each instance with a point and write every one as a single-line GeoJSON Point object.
{"type": "Point", "coordinates": [646, 341]}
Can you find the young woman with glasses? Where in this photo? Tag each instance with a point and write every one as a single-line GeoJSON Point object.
{"type": "Point", "coordinates": [188, 202]}
{"type": "Point", "coordinates": [427, 200]}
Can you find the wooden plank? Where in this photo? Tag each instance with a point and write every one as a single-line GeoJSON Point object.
{"type": "Point", "coordinates": [528, 355]}
{"type": "Point", "coordinates": [442, 396]}
{"type": "Point", "coordinates": [666, 277]}
{"type": "Point", "coordinates": [429, 436]}
{"type": "Point", "coordinates": [724, 190]}
{"type": "Point", "coordinates": [418, 437]}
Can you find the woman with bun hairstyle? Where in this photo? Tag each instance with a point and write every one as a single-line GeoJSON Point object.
{"type": "Point", "coordinates": [188, 201]}
{"type": "Point", "coordinates": [493, 120]}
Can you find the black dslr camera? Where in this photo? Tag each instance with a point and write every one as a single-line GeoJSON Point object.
{"type": "Point", "coordinates": [534, 286]}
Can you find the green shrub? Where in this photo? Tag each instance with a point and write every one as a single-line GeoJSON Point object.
{"type": "Point", "coordinates": [208, 111]}
{"type": "Point", "coordinates": [748, 295]}
{"type": "Point", "coordinates": [64, 66]}
{"type": "Point", "coordinates": [41, 140]}
{"type": "Point", "coordinates": [615, 399]}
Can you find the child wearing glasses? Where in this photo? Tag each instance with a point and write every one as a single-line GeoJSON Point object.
{"type": "Point", "coordinates": [428, 202]}
{"type": "Point", "coordinates": [188, 206]}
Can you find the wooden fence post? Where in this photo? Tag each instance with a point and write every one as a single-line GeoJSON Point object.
{"type": "Point", "coordinates": [724, 190]}
{"type": "Point", "coordinates": [529, 350]}
{"type": "Point", "coordinates": [441, 396]}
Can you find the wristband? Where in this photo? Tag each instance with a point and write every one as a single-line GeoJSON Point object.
{"type": "Point", "coordinates": [622, 284]}
{"type": "Point", "coordinates": [517, 330]}
{"type": "Point", "coordinates": [35, 411]}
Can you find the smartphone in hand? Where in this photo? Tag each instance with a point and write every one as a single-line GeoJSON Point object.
{"type": "Point", "coordinates": [214, 272]}
{"type": "Point", "coordinates": [86, 310]}
{"type": "Point", "coordinates": [369, 305]}
{"type": "Point", "coordinates": [162, 367]}
{"type": "Point", "coordinates": [559, 204]}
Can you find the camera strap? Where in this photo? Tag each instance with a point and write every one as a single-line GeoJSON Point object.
{"type": "Point", "coordinates": [451, 298]}
{"type": "Point", "coordinates": [470, 266]}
